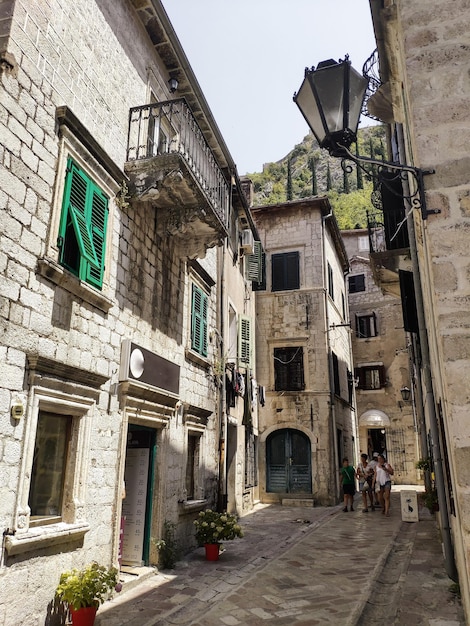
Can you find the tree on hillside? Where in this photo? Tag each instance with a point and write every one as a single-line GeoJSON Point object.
{"type": "Point", "coordinates": [329, 185]}
{"type": "Point", "coordinates": [289, 180]}
{"type": "Point", "coordinates": [359, 179]}
{"type": "Point", "coordinates": [313, 168]}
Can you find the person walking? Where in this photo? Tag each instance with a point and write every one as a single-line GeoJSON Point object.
{"type": "Point", "coordinates": [348, 478]}
{"type": "Point", "coordinates": [365, 475]}
{"type": "Point", "coordinates": [375, 488]}
{"type": "Point", "coordinates": [383, 476]}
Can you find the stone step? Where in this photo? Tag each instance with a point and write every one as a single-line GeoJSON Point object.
{"type": "Point", "coordinates": [297, 502]}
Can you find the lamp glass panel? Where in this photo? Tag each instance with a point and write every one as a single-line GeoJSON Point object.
{"type": "Point", "coordinates": [357, 90]}
{"type": "Point", "coordinates": [329, 83]}
{"type": "Point", "coordinates": [306, 102]}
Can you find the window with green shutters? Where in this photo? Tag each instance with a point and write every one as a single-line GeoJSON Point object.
{"type": "Point", "coordinates": [254, 267]}
{"type": "Point", "coordinates": [199, 302]}
{"type": "Point", "coordinates": [244, 341]}
{"type": "Point", "coordinates": [82, 231]}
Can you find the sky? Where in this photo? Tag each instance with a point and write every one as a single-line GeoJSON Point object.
{"type": "Point", "coordinates": [249, 57]}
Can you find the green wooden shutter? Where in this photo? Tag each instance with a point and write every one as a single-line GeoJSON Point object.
{"type": "Point", "coordinates": [254, 263]}
{"type": "Point", "coordinates": [99, 219]}
{"type": "Point", "coordinates": [78, 207]}
{"type": "Point", "coordinates": [244, 341]}
{"type": "Point", "coordinates": [82, 231]}
{"type": "Point", "coordinates": [199, 321]}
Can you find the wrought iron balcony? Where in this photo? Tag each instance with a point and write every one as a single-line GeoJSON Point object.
{"type": "Point", "coordinates": [171, 166]}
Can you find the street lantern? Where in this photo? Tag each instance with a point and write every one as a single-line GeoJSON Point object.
{"type": "Point", "coordinates": [330, 99]}
{"type": "Point", "coordinates": [172, 84]}
{"type": "Point", "coordinates": [405, 394]}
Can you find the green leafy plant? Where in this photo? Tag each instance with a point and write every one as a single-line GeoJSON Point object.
{"type": "Point", "coordinates": [423, 464]}
{"type": "Point", "coordinates": [213, 527]}
{"type": "Point", "coordinates": [431, 501]}
{"type": "Point", "coordinates": [167, 547]}
{"type": "Point", "coordinates": [88, 586]}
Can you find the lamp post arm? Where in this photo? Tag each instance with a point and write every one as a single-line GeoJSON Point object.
{"type": "Point", "coordinates": [417, 198]}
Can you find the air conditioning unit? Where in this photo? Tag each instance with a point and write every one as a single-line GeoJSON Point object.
{"type": "Point", "coordinates": [247, 241]}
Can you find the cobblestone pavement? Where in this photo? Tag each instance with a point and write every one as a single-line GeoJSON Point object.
{"type": "Point", "coordinates": [299, 566]}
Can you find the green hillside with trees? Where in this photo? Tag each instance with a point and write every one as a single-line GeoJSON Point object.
{"type": "Point", "coordinates": [309, 171]}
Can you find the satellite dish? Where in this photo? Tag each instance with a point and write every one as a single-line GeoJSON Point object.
{"type": "Point", "coordinates": [136, 363]}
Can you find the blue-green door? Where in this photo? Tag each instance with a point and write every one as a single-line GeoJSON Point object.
{"type": "Point", "coordinates": [288, 462]}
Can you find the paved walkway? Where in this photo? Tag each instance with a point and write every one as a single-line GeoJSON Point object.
{"type": "Point", "coordinates": [299, 566]}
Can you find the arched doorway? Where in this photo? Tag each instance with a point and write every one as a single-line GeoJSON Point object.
{"type": "Point", "coordinates": [376, 422]}
{"type": "Point", "coordinates": [288, 462]}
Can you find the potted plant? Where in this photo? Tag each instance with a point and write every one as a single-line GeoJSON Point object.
{"type": "Point", "coordinates": [85, 589]}
{"type": "Point", "coordinates": [212, 528]}
{"type": "Point", "coordinates": [430, 500]}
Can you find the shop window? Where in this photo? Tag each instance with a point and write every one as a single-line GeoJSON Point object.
{"type": "Point", "coordinates": [49, 467]}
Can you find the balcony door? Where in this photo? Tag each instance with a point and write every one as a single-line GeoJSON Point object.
{"type": "Point", "coordinates": [288, 462]}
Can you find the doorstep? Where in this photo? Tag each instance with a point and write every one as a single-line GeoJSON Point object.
{"type": "Point", "coordinates": [131, 576]}
{"type": "Point", "coordinates": [297, 502]}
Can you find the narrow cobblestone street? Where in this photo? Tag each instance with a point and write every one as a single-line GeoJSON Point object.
{"type": "Point", "coordinates": [303, 566]}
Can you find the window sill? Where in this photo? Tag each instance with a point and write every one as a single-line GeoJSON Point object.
{"type": "Point", "coordinates": [189, 506]}
{"type": "Point", "coordinates": [197, 358]}
{"type": "Point", "coordinates": [41, 537]}
{"type": "Point", "coordinates": [59, 276]}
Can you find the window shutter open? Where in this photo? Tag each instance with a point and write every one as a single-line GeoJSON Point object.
{"type": "Point", "coordinates": [82, 232]}
{"type": "Point", "coordinates": [99, 218]}
{"type": "Point", "coordinates": [244, 341]}
{"type": "Point", "coordinates": [253, 262]}
{"type": "Point", "coordinates": [78, 213]}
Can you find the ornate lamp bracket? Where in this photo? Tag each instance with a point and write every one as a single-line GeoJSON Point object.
{"type": "Point", "coordinates": [416, 197]}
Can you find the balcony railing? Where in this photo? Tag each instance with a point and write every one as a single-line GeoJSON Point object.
{"type": "Point", "coordinates": [169, 128]}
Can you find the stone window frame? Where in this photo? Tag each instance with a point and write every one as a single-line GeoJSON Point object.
{"type": "Point", "coordinates": [201, 280]}
{"type": "Point", "coordinates": [367, 322]}
{"type": "Point", "coordinates": [73, 525]}
{"type": "Point", "coordinates": [76, 143]}
{"type": "Point", "coordinates": [285, 271]}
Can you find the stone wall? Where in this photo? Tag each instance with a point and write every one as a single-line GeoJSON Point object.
{"type": "Point", "coordinates": [94, 59]}
{"type": "Point", "coordinates": [299, 317]}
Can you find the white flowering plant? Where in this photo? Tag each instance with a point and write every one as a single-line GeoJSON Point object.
{"type": "Point", "coordinates": [213, 527]}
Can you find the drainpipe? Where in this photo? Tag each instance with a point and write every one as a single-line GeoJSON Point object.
{"type": "Point", "coordinates": [330, 363]}
{"type": "Point", "coordinates": [429, 391]}
{"type": "Point", "coordinates": [222, 496]}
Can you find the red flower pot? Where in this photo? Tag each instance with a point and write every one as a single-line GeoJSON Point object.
{"type": "Point", "coordinates": [212, 551]}
{"type": "Point", "coordinates": [84, 616]}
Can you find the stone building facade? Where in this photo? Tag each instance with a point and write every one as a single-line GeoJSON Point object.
{"type": "Point", "coordinates": [386, 422]}
{"type": "Point", "coordinates": [304, 363]}
{"type": "Point", "coordinates": [123, 244]}
{"type": "Point", "coordinates": [423, 60]}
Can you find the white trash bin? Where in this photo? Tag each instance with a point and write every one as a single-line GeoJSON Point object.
{"type": "Point", "coordinates": [409, 506]}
